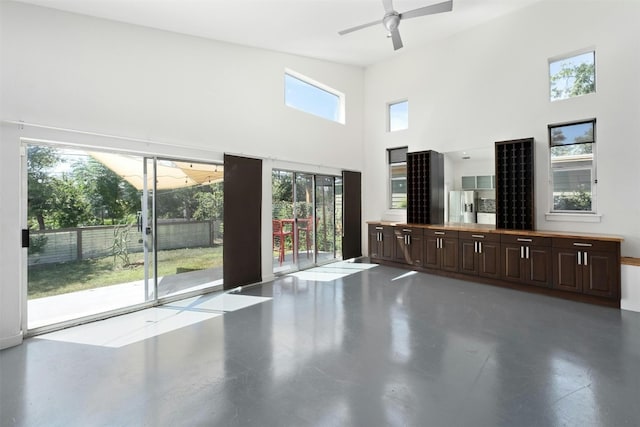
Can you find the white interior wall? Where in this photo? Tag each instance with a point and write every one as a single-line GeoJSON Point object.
{"type": "Point", "coordinates": [490, 83]}
{"type": "Point", "coordinates": [167, 94]}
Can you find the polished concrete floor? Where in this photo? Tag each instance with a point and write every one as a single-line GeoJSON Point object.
{"type": "Point", "coordinates": [378, 347]}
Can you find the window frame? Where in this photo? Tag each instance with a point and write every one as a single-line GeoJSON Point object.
{"type": "Point", "coordinates": [388, 114]}
{"type": "Point", "coordinates": [568, 56]}
{"type": "Point", "coordinates": [594, 177]}
{"type": "Point", "coordinates": [341, 117]}
{"type": "Point", "coordinates": [390, 177]}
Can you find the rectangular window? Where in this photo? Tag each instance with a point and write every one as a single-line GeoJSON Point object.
{"type": "Point", "coordinates": [572, 148]}
{"type": "Point", "coordinates": [398, 116]}
{"type": "Point", "coordinates": [397, 158]}
{"type": "Point", "coordinates": [305, 94]}
{"type": "Point", "coordinates": [572, 76]}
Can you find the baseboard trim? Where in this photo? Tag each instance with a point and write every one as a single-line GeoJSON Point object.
{"type": "Point", "coordinates": [11, 341]}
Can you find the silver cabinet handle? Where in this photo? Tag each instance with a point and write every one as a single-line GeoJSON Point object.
{"type": "Point", "coordinates": [475, 247]}
{"type": "Point", "coordinates": [524, 240]}
{"type": "Point", "coordinates": [379, 228]}
{"type": "Point", "coordinates": [585, 259]}
{"type": "Point", "coordinates": [584, 245]}
{"type": "Point", "coordinates": [521, 251]}
{"type": "Point", "coordinates": [527, 252]}
{"type": "Point", "coordinates": [406, 230]}
{"type": "Point", "coordinates": [438, 232]}
{"type": "Point", "coordinates": [408, 239]}
{"type": "Point", "coordinates": [480, 247]}
{"type": "Point", "coordinates": [478, 236]}
{"type": "Point", "coordinates": [579, 258]}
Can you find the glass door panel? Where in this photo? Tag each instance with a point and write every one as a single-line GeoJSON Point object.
{"type": "Point", "coordinates": [282, 220]}
{"type": "Point", "coordinates": [325, 218]}
{"type": "Point", "coordinates": [86, 252]}
{"type": "Point", "coordinates": [304, 220]}
{"type": "Point", "coordinates": [188, 226]}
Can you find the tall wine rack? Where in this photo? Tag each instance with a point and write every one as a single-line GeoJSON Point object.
{"type": "Point", "coordinates": [425, 187]}
{"type": "Point", "coordinates": [515, 184]}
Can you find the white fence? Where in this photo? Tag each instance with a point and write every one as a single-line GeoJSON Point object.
{"type": "Point", "coordinates": [72, 244]}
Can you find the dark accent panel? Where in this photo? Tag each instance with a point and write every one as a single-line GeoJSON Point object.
{"type": "Point", "coordinates": [351, 214]}
{"type": "Point", "coordinates": [425, 187]}
{"type": "Point", "coordinates": [242, 221]}
{"type": "Point", "coordinates": [515, 184]}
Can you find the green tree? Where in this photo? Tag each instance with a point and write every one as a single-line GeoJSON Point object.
{"type": "Point", "coordinates": [41, 161]}
{"type": "Point", "coordinates": [106, 191]}
{"type": "Point", "coordinates": [210, 202]}
{"type": "Point", "coordinates": [573, 80]}
{"type": "Point", "coordinates": [69, 206]}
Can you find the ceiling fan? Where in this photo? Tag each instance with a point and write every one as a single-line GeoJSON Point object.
{"type": "Point", "coordinates": [391, 19]}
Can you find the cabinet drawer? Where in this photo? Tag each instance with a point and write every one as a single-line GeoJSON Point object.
{"type": "Point", "coordinates": [478, 235]}
{"type": "Point", "coordinates": [441, 233]}
{"type": "Point", "coordinates": [585, 244]}
{"type": "Point", "coordinates": [526, 240]}
{"type": "Point", "coordinates": [414, 231]}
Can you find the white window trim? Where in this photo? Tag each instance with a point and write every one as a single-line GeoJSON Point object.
{"type": "Point", "coordinates": [389, 202]}
{"type": "Point", "coordinates": [573, 217]}
{"type": "Point", "coordinates": [576, 216]}
{"type": "Point", "coordinates": [388, 114]}
{"type": "Point", "coordinates": [341, 96]}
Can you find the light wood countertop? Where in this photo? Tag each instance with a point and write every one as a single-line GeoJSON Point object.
{"type": "Point", "coordinates": [485, 228]}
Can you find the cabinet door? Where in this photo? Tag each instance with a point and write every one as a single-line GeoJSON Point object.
{"type": "Point", "coordinates": [449, 254]}
{"type": "Point", "coordinates": [431, 252]}
{"type": "Point", "coordinates": [539, 269]}
{"type": "Point", "coordinates": [512, 262]}
{"type": "Point", "coordinates": [489, 259]}
{"type": "Point", "coordinates": [599, 274]}
{"type": "Point", "coordinates": [387, 243]}
{"type": "Point", "coordinates": [468, 261]}
{"type": "Point", "coordinates": [567, 273]}
{"type": "Point", "coordinates": [415, 248]}
{"type": "Point", "coordinates": [374, 241]}
{"type": "Point", "coordinates": [401, 249]}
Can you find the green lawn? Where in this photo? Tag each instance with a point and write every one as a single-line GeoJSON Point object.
{"type": "Point", "coordinates": [61, 278]}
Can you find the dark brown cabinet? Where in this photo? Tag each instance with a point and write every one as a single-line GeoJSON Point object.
{"type": "Point", "coordinates": [515, 184]}
{"type": "Point", "coordinates": [587, 267]}
{"type": "Point", "coordinates": [425, 187]}
{"type": "Point", "coordinates": [584, 268]}
{"type": "Point", "coordinates": [527, 259]}
{"type": "Point", "coordinates": [381, 241]}
{"type": "Point", "coordinates": [441, 249]}
{"type": "Point", "coordinates": [479, 254]}
{"type": "Point", "coordinates": [408, 245]}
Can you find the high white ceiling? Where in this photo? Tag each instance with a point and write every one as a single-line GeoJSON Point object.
{"type": "Point", "coordinates": [302, 27]}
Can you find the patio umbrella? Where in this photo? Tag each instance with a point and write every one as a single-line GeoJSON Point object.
{"type": "Point", "coordinates": [170, 174]}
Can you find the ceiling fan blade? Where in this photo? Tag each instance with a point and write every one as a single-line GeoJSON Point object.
{"type": "Point", "coordinates": [446, 6]}
{"type": "Point", "coordinates": [397, 41]}
{"type": "Point", "coordinates": [388, 6]}
{"type": "Point", "coordinates": [359, 27]}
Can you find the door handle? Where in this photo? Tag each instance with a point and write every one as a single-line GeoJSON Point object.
{"type": "Point", "coordinates": [480, 247]}
{"type": "Point", "coordinates": [585, 259]}
{"type": "Point", "coordinates": [147, 231]}
{"type": "Point", "coordinates": [409, 239]}
{"type": "Point", "coordinates": [579, 258]}
{"type": "Point", "coordinates": [527, 252]}
{"type": "Point", "coordinates": [521, 251]}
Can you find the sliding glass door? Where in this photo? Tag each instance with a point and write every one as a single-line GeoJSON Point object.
{"type": "Point", "coordinates": [306, 220]}
{"type": "Point", "coordinates": [111, 231]}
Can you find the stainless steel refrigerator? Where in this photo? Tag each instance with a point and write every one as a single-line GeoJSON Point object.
{"type": "Point", "coordinates": [463, 206]}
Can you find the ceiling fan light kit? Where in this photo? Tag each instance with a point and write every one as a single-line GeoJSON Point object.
{"type": "Point", "coordinates": [391, 19]}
